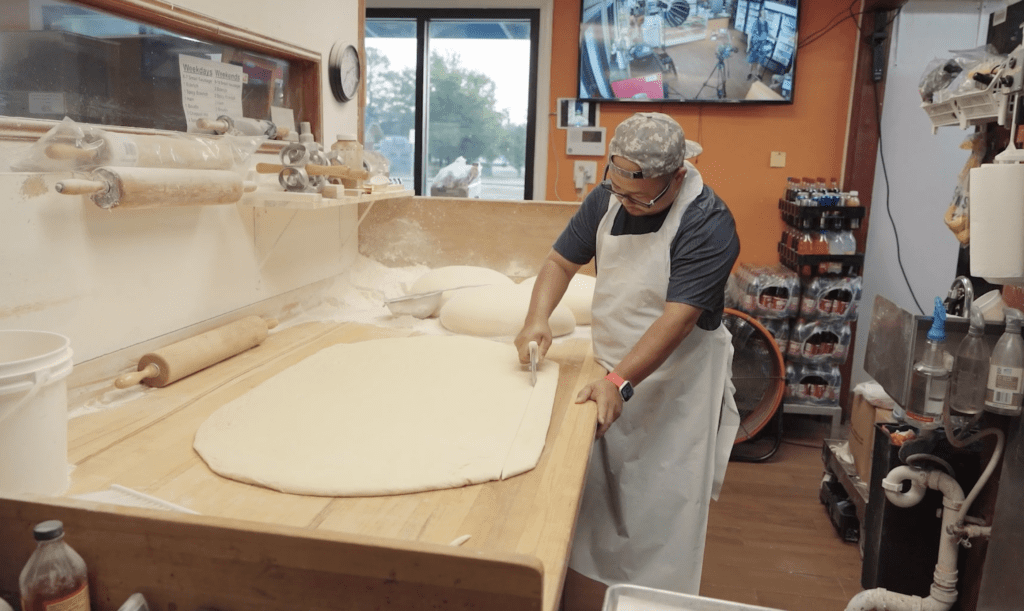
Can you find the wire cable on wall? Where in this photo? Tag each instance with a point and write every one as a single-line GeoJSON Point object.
{"type": "Point", "coordinates": [821, 32]}
{"type": "Point", "coordinates": [888, 209]}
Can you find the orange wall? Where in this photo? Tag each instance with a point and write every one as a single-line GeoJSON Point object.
{"type": "Point", "coordinates": [737, 139]}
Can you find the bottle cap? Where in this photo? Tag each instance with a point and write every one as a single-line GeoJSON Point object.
{"type": "Point", "coordinates": [346, 136]}
{"type": "Point", "coordinates": [1013, 318]}
{"type": "Point", "coordinates": [938, 330]}
{"type": "Point", "coordinates": [48, 530]}
{"type": "Point", "coordinates": [977, 321]}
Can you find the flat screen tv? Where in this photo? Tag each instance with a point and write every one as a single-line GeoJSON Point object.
{"type": "Point", "coordinates": [729, 51]}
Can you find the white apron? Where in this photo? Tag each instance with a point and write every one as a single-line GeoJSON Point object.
{"type": "Point", "coordinates": [644, 510]}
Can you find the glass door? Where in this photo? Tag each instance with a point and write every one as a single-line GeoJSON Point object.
{"type": "Point", "coordinates": [451, 99]}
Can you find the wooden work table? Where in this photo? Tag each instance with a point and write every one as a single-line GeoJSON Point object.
{"type": "Point", "coordinates": [393, 550]}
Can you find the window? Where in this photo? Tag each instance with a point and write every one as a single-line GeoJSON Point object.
{"type": "Point", "coordinates": [451, 99]}
{"type": "Point", "coordinates": [107, 66]}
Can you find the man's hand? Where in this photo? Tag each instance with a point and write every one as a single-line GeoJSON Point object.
{"type": "Point", "coordinates": [609, 403]}
{"type": "Point", "coordinates": [539, 332]}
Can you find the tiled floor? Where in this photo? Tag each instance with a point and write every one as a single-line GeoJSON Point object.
{"type": "Point", "coordinates": [770, 541]}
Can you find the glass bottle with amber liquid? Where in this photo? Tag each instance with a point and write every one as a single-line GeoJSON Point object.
{"type": "Point", "coordinates": [55, 577]}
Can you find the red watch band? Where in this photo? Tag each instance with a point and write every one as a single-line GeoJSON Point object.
{"type": "Point", "coordinates": [615, 379]}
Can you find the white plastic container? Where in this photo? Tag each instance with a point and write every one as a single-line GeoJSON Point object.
{"type": "Point", "coordinates": [625, 597]}
{"type": "Point", "coordinates": [350, 154]}
{"type": "Point", "coordinates": [34, 412]}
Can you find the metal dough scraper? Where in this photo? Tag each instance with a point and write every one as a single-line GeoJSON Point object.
{"type": "Point", "coordinates": [532, 346]}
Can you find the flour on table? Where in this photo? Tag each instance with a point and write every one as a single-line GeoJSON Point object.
{"type": "Point", "coordinates": [386, 416]}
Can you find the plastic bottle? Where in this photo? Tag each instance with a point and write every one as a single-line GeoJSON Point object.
{"type": "Point", "coordinates": [806, 245]}
{"type": "Point", "coordinates": [821, 244]}
{"type": "Point", "coordinates": [970, 368]}
{"type": "Point", "coordinates": [1003, 391]}
{"type": "Point", "coordinates": [55, 575]}
{"type": "Point", "coordinates": [791, 189]}
{"type": "Point", "coordinates": [930, 378]}
{"type": "Point", "coordinates": [853, 199]}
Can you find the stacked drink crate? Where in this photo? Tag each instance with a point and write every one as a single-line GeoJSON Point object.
{"type": "Point", "coordinates": [819, 245]}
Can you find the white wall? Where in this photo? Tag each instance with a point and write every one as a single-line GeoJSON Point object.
{"type": "Point", "coordinates": [922, 168]}
{"type": "Point", "coordinates": [112, 279]}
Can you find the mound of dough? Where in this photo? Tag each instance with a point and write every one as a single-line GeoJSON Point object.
{"type": "Point", "coordinates": [579, 296]}
{"type": "Point", "coordinates": [386, 416]}
{"type": "Point", "coordinates": [499, 310]}
{"type": "Point", "coordinates": [454, 276]}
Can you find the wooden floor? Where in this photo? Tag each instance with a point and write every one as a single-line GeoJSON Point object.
{"type": "Point", "coordinates": [770, 542]}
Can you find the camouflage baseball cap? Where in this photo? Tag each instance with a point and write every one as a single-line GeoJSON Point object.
{"type": "Point", "coordinates": [653, 141]}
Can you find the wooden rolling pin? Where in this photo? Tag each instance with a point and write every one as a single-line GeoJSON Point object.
{"type": "Point", "coordinates": [157, 187]}
{"type": "Point", "coordinates": [332, 171]}
{"type": "Point", "coordinates": [171, 363]}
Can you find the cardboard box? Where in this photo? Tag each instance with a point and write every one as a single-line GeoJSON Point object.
{"type": "Point", "coordinates": [863, 418]}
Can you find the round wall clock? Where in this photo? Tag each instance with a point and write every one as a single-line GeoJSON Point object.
{"type": "Point", "coordinates": [344, 71]}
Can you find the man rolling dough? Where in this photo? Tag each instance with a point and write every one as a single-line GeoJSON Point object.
{"type": "Point", "coordinates": [664, 245]}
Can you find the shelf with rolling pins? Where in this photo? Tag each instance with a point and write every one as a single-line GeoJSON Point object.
{"type": "Point", "coordinates": [305, 181]}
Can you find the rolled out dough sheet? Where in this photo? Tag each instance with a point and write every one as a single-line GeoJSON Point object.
{"type": "Point", "coordinates": [386, 416]}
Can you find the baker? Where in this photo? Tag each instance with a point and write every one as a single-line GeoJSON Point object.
{"type": "Point", "coordinates": [664, 245]}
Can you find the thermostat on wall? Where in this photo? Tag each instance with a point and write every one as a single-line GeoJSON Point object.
{"type": "Point", "coordinates": [589, 141]}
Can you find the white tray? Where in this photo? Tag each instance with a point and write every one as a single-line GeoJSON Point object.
{"type": "Point", "coordinates": [623, 597]}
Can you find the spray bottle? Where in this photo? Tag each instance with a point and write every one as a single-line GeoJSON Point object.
{"type": "Point", "coordinates": [1006, 369]}
{"type": "Point", "coordinates": [930, 377]}
{"type": "Point", "coordinates": [970, 369]}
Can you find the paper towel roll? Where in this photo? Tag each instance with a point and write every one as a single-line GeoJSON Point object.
{"type": "Point", "coordinates": [997, 223]}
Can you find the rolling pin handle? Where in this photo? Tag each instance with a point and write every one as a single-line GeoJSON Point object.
{"type": "Point", "coordinates": [268, 168]}
{"type": "Point", "coordinates": [131, 379]}
{"type": "Point", "coordinates": [78, 186]}
{"type": "Point", "coordinates": [216, 125]}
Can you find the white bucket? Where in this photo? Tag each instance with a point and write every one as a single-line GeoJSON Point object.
{"type": "Point", "coordinates": [34, 412]}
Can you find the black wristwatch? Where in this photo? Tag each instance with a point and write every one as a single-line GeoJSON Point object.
{"type": "Point", "coordinates": [625, 388]}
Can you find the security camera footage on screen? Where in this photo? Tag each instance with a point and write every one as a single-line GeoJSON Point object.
{"type": "Point", "coordinates": [688, 50]}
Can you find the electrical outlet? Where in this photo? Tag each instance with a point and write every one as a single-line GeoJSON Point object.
{"type": "Point", "coordinates": [584, 173]}
{"type": "Point", "coordinates": [778, 160]}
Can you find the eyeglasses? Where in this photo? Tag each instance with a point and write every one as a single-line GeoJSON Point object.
{"type": "Point", "coordinates": [607, 186]}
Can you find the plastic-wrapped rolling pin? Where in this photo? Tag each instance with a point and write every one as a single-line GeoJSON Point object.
{"type": "Point", "coordinates": [172, 363]}
{"type": "Point", "coordinates": [142, 150]}
{"type": "Point", "coordinates": [157, 187]}
{"type": "Point", "coordinates": [243, 126]}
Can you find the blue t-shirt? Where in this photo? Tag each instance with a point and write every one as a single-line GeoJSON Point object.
{"type": "Point", "coordinates": [703, 250]}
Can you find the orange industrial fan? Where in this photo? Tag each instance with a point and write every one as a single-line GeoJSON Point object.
{"type": "Point", "coordinates": [759, 374]}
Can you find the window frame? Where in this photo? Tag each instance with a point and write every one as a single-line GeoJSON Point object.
{"type": "Point", "coordinates": [423, 16]}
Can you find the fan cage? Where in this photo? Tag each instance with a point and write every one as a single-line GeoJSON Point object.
{"type": "Point", "coordinates": [758, 373]}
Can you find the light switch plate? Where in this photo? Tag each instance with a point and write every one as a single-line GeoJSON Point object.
{"type": "Point", "coordinates": [778, 160]}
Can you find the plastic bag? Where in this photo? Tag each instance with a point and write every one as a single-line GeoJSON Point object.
{"type": "Point", "coordinates": [456, 176]}
{"type": "Point", "coordinates": [78, 146]}
{"type": "Point", "coordinates": [945, 77]}
{"type": "Point", "coordinates": [376, 164]}
{"type": "Point", "coordinates": [957, 216]}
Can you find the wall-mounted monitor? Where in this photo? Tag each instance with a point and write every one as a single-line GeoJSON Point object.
{"type": "Point", "coordinates": [706, 51]}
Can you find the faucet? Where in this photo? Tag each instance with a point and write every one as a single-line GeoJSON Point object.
{"type": "Point", "coordinates": [960, 297]}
